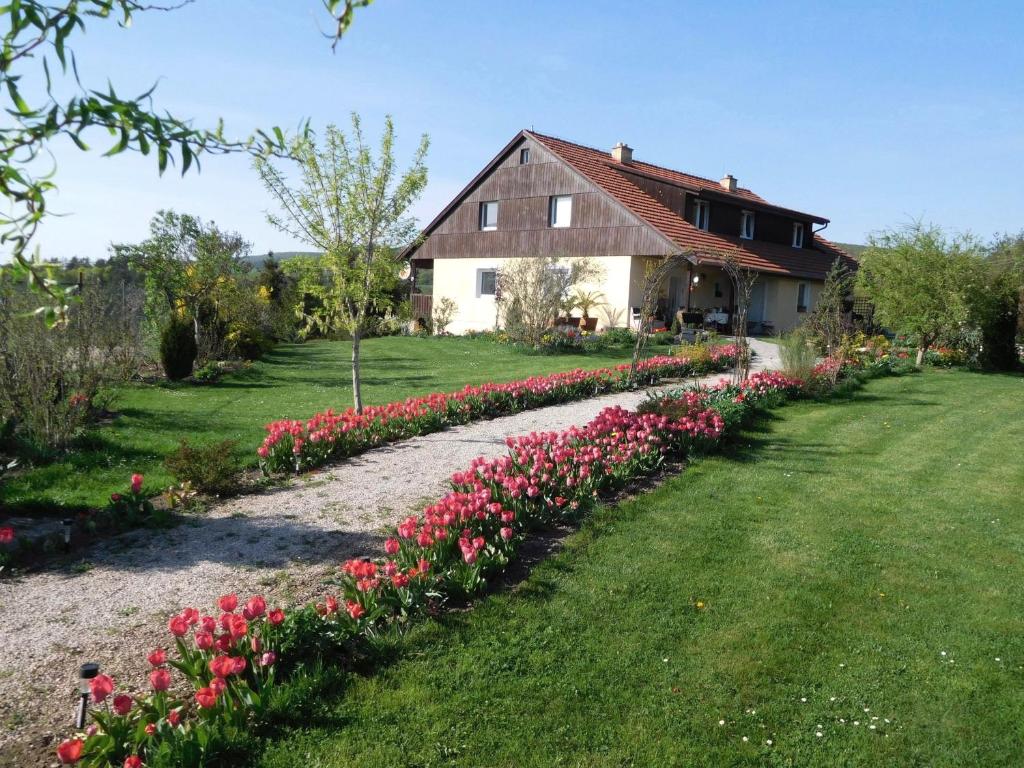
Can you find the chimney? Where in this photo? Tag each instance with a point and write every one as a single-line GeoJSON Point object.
{"type": "Point", "coordinates": [622, 153]}
{"type": "Point", "coordinates": [728, 182]}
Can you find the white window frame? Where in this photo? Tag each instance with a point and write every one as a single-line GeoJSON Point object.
{"type": "Point", "coordinates": [747, 218]}
{"type": "Point", "coordinates": [798, 234]}
{"type": "Point", "coordinates": [701, 214]}
{"type": "Point", "coordinates": [483, 215]}
{"type": "Point", "coordinates": [553, 221]}
{"type": "Point", "coordinates": [524, 155]}
{"type": "Point", "coordinates": [804, 288]}
{"type": "Point", "coordinates": [480, 282]}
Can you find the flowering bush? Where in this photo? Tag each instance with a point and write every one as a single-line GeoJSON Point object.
{"type": "Point", "coordinates": [296, 445]}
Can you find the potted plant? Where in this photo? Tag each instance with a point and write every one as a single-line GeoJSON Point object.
{"type": "Point", "coordinates": [586, 301]}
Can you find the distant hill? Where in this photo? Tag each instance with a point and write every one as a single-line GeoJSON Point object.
{"type": "Point", "coordinates": [852, 249]}
{"type": "Point", "coordinates": [258, 258]}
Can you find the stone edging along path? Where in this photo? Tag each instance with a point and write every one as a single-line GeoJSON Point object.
{"type": "Point", "coordinates": [281, 543]}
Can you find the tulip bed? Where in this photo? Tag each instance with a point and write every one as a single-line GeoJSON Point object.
{"type": "Point", "coordinates": [235, 663]}
{"type": "Point", "coordinates": [297, 445]}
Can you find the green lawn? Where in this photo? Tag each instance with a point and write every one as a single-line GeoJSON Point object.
{"type": "Point", "coordinates": [857, 562]}
{"type": "Point", "coordinates": [293, 381]}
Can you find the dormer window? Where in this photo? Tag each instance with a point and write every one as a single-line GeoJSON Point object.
{"type": "Point", "coordinates": [524, 155]}
{"type": "Point", "coordinates": [701, 214]}
{"type": "Point", "coordinates": [798, 235]}
{"type": "Point", "coordinates": [747, 225]}
{"type": "Point", "coordinates": [489, 216]}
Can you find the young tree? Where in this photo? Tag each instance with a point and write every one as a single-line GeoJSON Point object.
{"type": "Point", "coordinates": [37, 50]}
{"type": "Point", "coordinates": [355, 208]}
{"type": "Point", "coordinates": [916, 276]}
{"type": "Point", "coordinates": [444, 314]}
{"type": "Point", "coordinates": [827, 322]}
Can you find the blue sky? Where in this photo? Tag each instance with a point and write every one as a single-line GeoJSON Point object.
{"type": "Point", "coordinates": [867, 113]}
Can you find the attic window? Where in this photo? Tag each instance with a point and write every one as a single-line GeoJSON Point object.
{"type": "Point", "coordinates": [798, 235]}
{"type": "Point", "coordinates": [489, 215]}
{"type": "Point", "coordinates": [560, 211]}
{"type": "Point", "coordinates": [747, 225]}
{"type": "Point", "coordinates": [701, 214]}
{"type": "Point", "coordinates": [524, 155]}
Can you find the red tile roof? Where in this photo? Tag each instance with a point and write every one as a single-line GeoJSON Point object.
{"type": "Point", "coordinates": [598, 166]}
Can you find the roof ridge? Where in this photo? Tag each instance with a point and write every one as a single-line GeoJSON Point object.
{"type": "Point", "coordinates": [705, 179]}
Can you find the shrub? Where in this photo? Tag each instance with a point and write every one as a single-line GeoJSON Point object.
{"type": "Point", "coordinates": [797, 354]}
{"type": "Point", "coordinates": [207, 468]}
{"type": "Point", "coordinates": [444, 313]}
{"type": "Point", "coordinates": [178, 349]}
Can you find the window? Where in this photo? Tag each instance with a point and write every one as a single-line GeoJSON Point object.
{"type": "Point", "coordinates": [718, 290]}
{"type": "Point", "coordinates": [701, 214]}
{"type": "Point", "coordinates": [489, 215]}
{"type": "Point", "coordinates": [747, 225]}
{"type": "Point", "coordinates": [798, 235]}
{"type": "Point", "coordinates": [560, 211]}
{"type": "Point", "coordinates": [486, 282]}
{"type": "Point", "coordinates": [524, 155]}
{"type": "Point", "coordinates": [803, 297]}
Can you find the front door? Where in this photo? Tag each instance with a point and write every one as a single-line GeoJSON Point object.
{"type": "Point", "coordinates": [755, 313]}
{"type": "Point", "coordinates": [674, 296]}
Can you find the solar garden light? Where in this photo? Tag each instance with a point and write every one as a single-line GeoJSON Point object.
{"type": "Point", "coordinates": [67, 522]}
{"type": "Point", "coordinates": [86, 672]}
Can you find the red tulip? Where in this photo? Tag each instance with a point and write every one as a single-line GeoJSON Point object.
{"type": "Point", "coordinates": [157, 657]}
{"type": "Point", "coordinates": [101, 686]}
{"type": "Point", "coordinates": [218, 685]}
{"type": "Point", "coordinates": [115, 497]}
{"type": "Point", "coordinates": [150, 729]}
{"type": "Point", "coordinates": [204, 640]}
{"type": "Point", "coordinates": [238, 627]}
{"type": "Point", "coordinates": [177, 626]}
{"type": "Point", "coordinates": [6, 534]}
{"type": "Point", "coordinates": [227, 603]}
{"type": "Point", "coordinates": [70, 751]}
{"type": "Point", "coordinates": [122, 704]}
{"type": "Point", "coordinates": [275, 617]}
{"type": "Point", "coordinates": [160, 680]}
{"type": "Point", "coordinates": [355, 610]}
{"type": "Point", "coordinates": [268, 658]}
{"type": "Point", "coordinates": [255, 608]}
{"type": "Point", "coordinates": [136, 483]}
{"type": "Point", "coordinates": [391, 546]}
{"type": "Point", "coordinates": [206, 698]}
{"type": "Point", "coordinates": [174, 717]}
{"type": "Point", "coordinates": [133, 761]}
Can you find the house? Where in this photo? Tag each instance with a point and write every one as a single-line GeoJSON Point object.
{"type": "Point", "coordinates": [542, 195]}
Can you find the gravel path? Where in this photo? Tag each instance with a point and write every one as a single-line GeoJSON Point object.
{"type": "Point", "coordinates": [281, 543]}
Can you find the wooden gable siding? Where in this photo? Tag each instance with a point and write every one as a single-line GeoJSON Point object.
{"type": "Point", "coordinates": [600, 226]}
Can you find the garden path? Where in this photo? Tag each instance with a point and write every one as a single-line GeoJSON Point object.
{"type": "Point", "coordinates": [112, 607]}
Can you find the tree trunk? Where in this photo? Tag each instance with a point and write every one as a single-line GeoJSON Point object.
{"type": "Point", "coordinates": [920, 354]}
{"type": "Point", "coordinates": [195, 327]}
{"type": "Point", "coordinates": [357, 393]}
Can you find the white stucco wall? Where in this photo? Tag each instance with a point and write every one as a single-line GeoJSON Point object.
{"type": "Point", "coordinates": [459, 280]}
